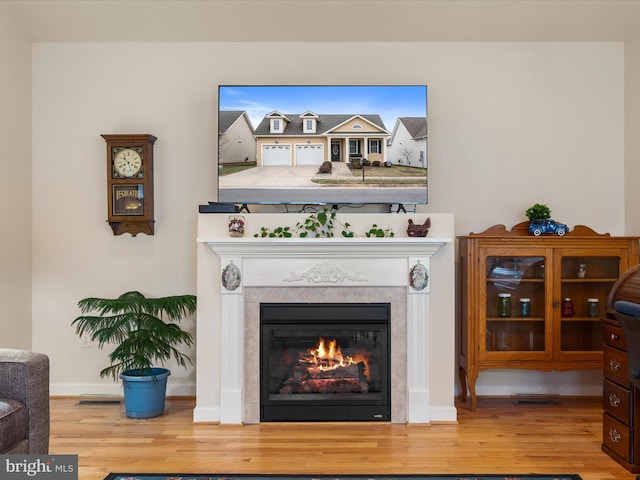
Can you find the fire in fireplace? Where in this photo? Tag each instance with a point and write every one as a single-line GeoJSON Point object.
{"type": "Point", "coordinates": [325, 362]}
{"type": "Point", "coordinates": [324, 369]}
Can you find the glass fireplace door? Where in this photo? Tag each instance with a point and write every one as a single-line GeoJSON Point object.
{"type": "Point", "coordinates": [324, 362]}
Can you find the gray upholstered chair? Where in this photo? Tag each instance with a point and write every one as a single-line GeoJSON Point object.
{"type": "Point", "coordinates": [24, 402]}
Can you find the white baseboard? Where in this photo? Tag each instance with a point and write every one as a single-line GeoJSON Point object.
{"type": "Point", "coordinates": [77, 389]}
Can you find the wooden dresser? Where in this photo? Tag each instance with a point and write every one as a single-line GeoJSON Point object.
{"type": "Point", "coordinates": [621, 402]}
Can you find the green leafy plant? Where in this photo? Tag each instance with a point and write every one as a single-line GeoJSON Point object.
{"type": "Point", "coordinates": [136, 325]}
{"type": "Point", "coordinates": [378, 232]}
{"type": "Point", "coordinates": [538, 212]}
{"type": "Point", "coordinates": [317, 225]}
{"type": "Point", "coordinates": [321, 224]}
{"type": "Point", "coordinates": [279, 232]}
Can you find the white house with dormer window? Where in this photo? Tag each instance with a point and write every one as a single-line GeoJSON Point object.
{"type": "Point", "coordinates": [311, 139]}
{"type": "Point", "coordinates": [277, 122]}
{"type": "Point", "coordinates": [309, 122]}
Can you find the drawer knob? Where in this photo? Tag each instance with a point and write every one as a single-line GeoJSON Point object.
{"type": "Point", "coordinates": [614, 365]}
{"type": "Point", "coordinates": [614, 435]}
{"type": "Point", "coordinates": [615, 336]}
{"type": "Point", "coordinates": [614, 400]}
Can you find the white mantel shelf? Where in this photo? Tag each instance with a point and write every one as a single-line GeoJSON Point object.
{"type": "Point", "coordinates": [236, 274]}
{"type": "Point", "coordinates": [334, 246]}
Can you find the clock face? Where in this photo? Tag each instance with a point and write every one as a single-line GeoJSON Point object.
{"type": "Point", "coordinates": [127, 162]}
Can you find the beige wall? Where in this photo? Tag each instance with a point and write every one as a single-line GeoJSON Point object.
{"type": "Point", "coordinates": [508, 124]}
{"type": "Point", "coordinates": [632, 139]}
{"type": "Point", "coordinates": [15, 182]}
{"type": "Point", "coordinates": [366, 127]}
{"type": "Point", "coordinates": [372, 157]}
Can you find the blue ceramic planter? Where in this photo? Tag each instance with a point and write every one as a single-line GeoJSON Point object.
{"type": "Point", "coordinates": [144, 395]}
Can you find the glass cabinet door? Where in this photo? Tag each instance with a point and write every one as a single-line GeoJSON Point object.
{"type": "Point", "coordinates": [515, 305]}
{"type": "Point", "coordinates": [584, 287]}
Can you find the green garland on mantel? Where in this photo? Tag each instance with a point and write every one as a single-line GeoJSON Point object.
{"type": "Point", "coordinates": [321, 224]}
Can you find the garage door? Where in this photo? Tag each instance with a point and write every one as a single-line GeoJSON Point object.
{"type": "Point", "coordinates": [309, 154]}
{"type": "Point", "coordinates": [276, 154]}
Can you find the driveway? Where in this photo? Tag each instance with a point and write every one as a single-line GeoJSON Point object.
{"type": "Point", "coordinates": [281, 176]}
{"type": "Point", "coordinates": [271, 176]}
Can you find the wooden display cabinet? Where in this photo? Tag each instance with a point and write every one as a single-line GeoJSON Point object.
{"type": "Point", "coordinates": [546, 270]}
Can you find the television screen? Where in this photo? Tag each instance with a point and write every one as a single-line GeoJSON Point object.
{"type": "Point", "coordinates": [336, 144]}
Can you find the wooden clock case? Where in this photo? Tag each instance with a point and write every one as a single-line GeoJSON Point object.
{"type": "Point", "coordinates": [130, 199]}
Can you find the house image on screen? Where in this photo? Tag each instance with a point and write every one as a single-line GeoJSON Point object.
{"type": "Point", "coordinates": [408, 142]}
{"type": "Point", "coordinates": [236, 141]}
{"type": "Point", "coordinates": [311, 139]}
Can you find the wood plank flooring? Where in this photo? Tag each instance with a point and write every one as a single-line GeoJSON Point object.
{"type": "Point", "coordinates": [499, 437]}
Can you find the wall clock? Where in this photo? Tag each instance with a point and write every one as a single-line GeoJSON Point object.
{"type": "Point", "coordinates": [130, 183]}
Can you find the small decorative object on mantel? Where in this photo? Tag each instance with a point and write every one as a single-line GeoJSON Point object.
{"type": "Point", "coordinates": [540, 221]}
{"type": "Point", "coordinates": [415, 230]}
{"type": "Point", "coordinates": [236, 225]}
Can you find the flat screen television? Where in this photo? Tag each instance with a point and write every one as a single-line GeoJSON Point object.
{"type": "Point", "coordinates": [322, 144]}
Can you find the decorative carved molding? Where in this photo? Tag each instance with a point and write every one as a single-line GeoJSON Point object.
{"type": "Point", "coordinates": [522, 230]}
{"type": "Point", "coordinates": [325, 273]}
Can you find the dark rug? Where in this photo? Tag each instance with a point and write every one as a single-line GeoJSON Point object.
{"type": "Point", "coordinates": [211, 476]}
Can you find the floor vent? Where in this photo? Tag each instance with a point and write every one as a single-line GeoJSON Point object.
{"type": "Point", "coordinates": [99, 398]}
{"type": "Point", "coordinates": [523, 399]}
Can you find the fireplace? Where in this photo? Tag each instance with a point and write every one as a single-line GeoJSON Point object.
{"type": "Point", "coordinates": [359, 270]}
{"type": "Point", "coordinates": [324, 362]}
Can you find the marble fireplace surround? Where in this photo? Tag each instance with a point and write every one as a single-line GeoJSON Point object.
{"type": "Point", "coordinates": [325, 270]}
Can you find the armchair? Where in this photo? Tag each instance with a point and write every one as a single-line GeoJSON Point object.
{"type": "Point", "coordinates": [24, 402]}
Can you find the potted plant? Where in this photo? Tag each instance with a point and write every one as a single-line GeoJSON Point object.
{"type": "Point", "coordinates": [136, 324]}
{"type": "Point", "coordinates": [538, 212]}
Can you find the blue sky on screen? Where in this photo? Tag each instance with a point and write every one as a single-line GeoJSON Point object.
{"type": "Point", "coordinates": [390, 102]}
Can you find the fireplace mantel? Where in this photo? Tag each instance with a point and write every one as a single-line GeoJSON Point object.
{"type": "Point", "coordinates": [359, 247]}
{"type": "Point", "coordinates": [233, 272]}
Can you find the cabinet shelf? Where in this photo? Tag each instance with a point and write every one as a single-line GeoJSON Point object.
{"type": "Point", "coordinates": [516, 319]}
{"type": "Point", "coordinates": [580, 319]}
{"type": "Point", "coordinates": [589, 280]}
{"type": "Point", "coordinates": [545, 270]}
{"type": "Point", "coordinates": [515, 280]}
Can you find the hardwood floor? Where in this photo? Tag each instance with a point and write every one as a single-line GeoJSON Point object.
{"type": "Point", "coordinates": [499, 437]}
